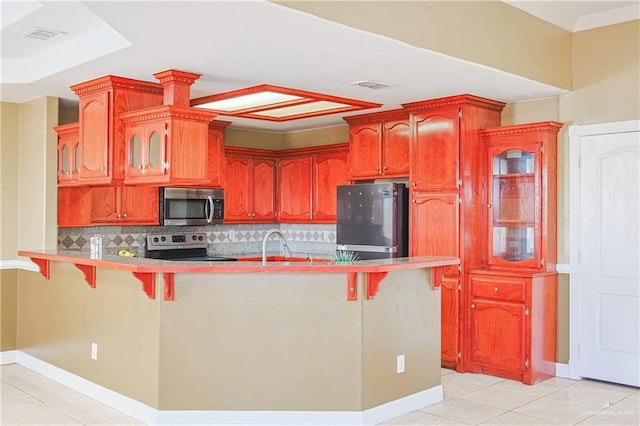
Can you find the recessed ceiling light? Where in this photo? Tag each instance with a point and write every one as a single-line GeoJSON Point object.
{"type": "Point", "coordinates": [42, 34]}
{"type": "Point", "coordinates": [369, 84]}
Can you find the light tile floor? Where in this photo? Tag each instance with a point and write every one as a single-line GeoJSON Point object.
{"type": "Point", "coordinates": [469, 399]}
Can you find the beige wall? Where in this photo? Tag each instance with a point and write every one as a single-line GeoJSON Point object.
{"type": "Point", "coordinates": [491, 33]}
{"type": "Point", "coordinates": [290, 140]}
{"type": "Point", "coordinates": [9, 143]}
{"type": "Point", "coordinates": [37, 174]}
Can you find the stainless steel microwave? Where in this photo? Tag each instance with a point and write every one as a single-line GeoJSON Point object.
{"type": "Point", "coordinates": [191, 206]}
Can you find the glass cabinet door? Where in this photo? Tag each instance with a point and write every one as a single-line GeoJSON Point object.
{"type": "Point", "coordinates": [513, 194]}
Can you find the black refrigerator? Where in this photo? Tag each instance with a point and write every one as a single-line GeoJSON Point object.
{"type": "Point", "coordinates": [372, 220]}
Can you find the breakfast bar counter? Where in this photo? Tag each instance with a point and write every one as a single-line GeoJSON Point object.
{"type": "Point", "coordinates": [238, 342]}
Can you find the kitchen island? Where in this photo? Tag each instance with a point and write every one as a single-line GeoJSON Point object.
{"type": "Point", "coordinates": [238, 342]}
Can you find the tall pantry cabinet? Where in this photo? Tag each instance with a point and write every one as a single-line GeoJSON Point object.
{"type": "Point", "coordinates": [446, 178]}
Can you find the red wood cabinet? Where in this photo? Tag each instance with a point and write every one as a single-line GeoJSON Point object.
{"type": "Point", "coordinates": [435, 150]}
{"type": "Point", "coordinates": [68, 154]}
{"type": "Point", "coordinates": [329, 171]}
{"type": "Point", "coordinates": [521, 202]}
{"type": "Point", "coordinates": [446, 178]}
{"type": "Point", "coordinates": [74, 206]}
{"type": "Point", "coordinates": [169, 145]}
{"type": "Point", "coordinates": [294, 189]}
{"type": "Point", "coordinates": [307, 181]}
{"type": "Point", "coordinates": [251, 184]}
{"type": "Point", "coordinates": [512, 301]}
{"type": "Point", "coordinates": [125, 204]}
{"type": "Point", "coordinates": [379, 145]}
{"type": "Point", "coordinates": [101, 134]}
{"type": "Point", "coordinates": [512, 329]}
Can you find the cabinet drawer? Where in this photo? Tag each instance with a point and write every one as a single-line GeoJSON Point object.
{"type": "Point", "coordinates": [512, 289]}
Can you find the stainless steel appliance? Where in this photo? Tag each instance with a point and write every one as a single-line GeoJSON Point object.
{"type": "Point", "coordinates": [189, 246]}
{"type": "Point", "coordinates": [373, 220]}
{"type": "Point", "coordinates": [191, 206]}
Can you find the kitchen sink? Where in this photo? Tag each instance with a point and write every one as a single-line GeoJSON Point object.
{"type": "Point", "coordinates": [284, 259]}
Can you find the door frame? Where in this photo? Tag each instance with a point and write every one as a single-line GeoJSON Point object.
{"type": "Point", "coordinates": [576, 132]}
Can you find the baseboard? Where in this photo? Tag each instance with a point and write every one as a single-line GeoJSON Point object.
{"type": "Point", "coordinates": [8, 357]}
{"type": "Point", "coordinates": [562, 370]}
{"type": "Point", "coordinates": [150, 415]}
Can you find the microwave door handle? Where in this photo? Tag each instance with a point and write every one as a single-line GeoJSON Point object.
{"type": "Point", "coordinates": [209, 207]}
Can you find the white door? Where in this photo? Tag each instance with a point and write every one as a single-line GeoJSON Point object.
{"type": "Point", "coordinates": [609, 258]}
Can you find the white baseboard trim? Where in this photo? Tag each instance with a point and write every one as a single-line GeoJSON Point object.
{"type": "Point", "coordinates": [7, 357]}
{"type": "Point", "coordinates": [562, 370]}
{"type": "Point", "coordinates": [563, 268]}
{"type": "Point", "coordinates": [149, 415]}
{"type": "Point", "coordinates": [24, 264]}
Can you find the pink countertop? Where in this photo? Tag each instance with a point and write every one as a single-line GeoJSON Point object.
{"type": "Point", "coordinates": [138, 264]}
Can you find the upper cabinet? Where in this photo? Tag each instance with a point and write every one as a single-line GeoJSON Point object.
{"type": "Point", "coordinates": [101, 135]}
{"type": "Point", "coordinates": [307, 181]}
{"type": "Point", "coordinates": [379, 145]}
{"type": "Point", "coordinates": [250, 192]}
{"type": "Point", "coordinates": [521, 208]}
{"type": "Point", "coordinates": [68, 153]}
{"type": "Point", "coordinates": [173, 144]}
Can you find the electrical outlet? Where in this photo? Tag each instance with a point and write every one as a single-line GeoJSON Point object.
{"type": "Point", "coordinates": [232, 234]}
{"type": "Point", "coordinates": [400, 364]}
{"type": "Point", "coordinates": [94, 351]}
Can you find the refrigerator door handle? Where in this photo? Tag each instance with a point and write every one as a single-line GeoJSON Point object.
{"type": "Point", "coordinates": [375, 249]}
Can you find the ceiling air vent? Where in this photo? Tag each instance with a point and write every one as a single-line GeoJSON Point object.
{"type": "Point", "coordinates": [369, 84]}
{"type": "Point", "coordinates": [42, 34]}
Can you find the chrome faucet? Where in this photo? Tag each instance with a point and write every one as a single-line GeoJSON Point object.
{"type": "Point", "coordinates": [285, 247]}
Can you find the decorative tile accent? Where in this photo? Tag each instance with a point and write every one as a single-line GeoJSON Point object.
{"type": "Point", "coordinates": [302, 238]}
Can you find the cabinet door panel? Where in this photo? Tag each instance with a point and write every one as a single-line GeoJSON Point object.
{"type": "Point", "coordinates": [139, 205]}
{"type": "Point", "coordinates": [435, 151]}
{"type": "Point", "coordinates": [365, 141]}
{"type": "Point", "coordinates": [95, 121]}
{"type": "Point", "coordinates": [295, 189]}
{"type": "Point", "coordinates": [264, 187]}
{"type": "Point", "coordinates": [104, 204]}
{"type": "Point", "coordinates": [434, 225]}
{"type": "Point", "coordinates": [74, 206]}
{"type": "Point", "coordinates": [329, 171]}
{"type": "Point", "coordinates": [397, 139]}
{"type": "Point", "coordinates": [237, 190]}
{"type": "Point", "coordinates": [449, 316]}
{"type": "Point", "coordinates": [498, 334]}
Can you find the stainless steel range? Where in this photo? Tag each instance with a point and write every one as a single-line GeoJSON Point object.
{"type": "Point", "coordinates": [186, 247]}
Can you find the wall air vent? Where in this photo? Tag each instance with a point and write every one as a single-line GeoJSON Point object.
{"type": "Point", "coordinates": [369, 84]}
{"type": "Point", "coordinates": [42, 34]}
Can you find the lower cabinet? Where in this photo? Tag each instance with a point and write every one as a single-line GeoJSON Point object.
{"type": "Point", "coordinates": [450, 322]}
{"type": "Point", "coordinates": [512, 324]}
{"type": "Point", "coordinates": [137, 205]}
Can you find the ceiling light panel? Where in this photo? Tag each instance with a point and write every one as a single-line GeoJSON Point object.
{"type": "Point", "coordinates": [310, 108]}
{"type": "Point", "coordinates": [254, 100]}
{"type": "Point", "coordinates": [275, 103]}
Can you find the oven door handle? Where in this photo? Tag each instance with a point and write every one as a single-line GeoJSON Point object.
{"type": "Point", "coordinates": [208, 209]}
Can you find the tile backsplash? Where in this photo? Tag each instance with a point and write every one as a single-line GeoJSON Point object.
{"type": "Point", "coordinates": [223, 239]}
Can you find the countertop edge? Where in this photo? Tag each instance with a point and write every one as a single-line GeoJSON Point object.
{"type": "Point", "coordinates": [144, 265]}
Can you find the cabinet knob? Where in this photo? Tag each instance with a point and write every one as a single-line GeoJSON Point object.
{"type": "Point", "coordinates": [102, 168]}
{"type": "Point", "coordinates": [385, 167]}
{"type": "Point", "coordinates": [488, 206]}
{"type": "Point", "coordinates": [413, 201]}
{"type": "Point", "coordinates": [118, 215]}
{"type": "Point", "coordinates": [413, 184]}
{"type": "Point", "coordinates": [495, 289]}
{"type": "Point", "coordinates": [124, 215]}
{"type": "Point", "coordinates": [377, 169]}
{"type": "Point", "coordinates": [140, 167]}
{"type": "Point", "coordinates": [473, 306]}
